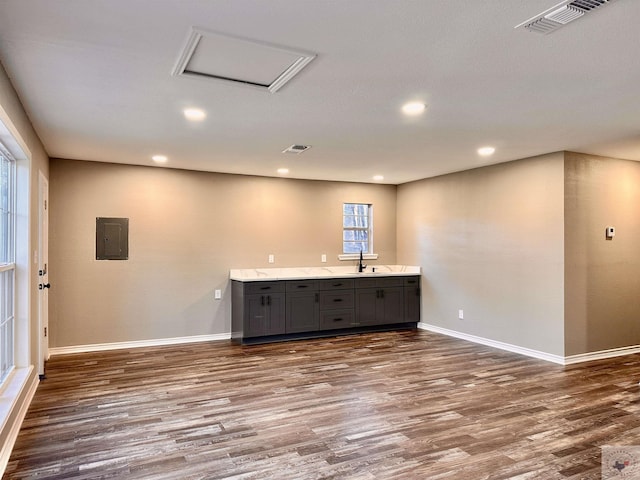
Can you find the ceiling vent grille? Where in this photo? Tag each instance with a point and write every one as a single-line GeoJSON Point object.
{"type": "Point", "coordinates": [565, 12]}
{"type": "Point", "coordinates": [296, 149]}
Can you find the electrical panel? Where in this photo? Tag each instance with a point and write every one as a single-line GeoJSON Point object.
{"type": "Point", "coordinates": [112, 238]}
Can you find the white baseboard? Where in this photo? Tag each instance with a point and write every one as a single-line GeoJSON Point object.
{"type": "Point", "coordinates": [569, 360]}
{"type": "Point", "coordinates": [98, 347]}
{"type": "Point", "coordinates": [14, 392]}
{"type": "Point", "coordinates": [495, 344]}
{"type": "Point", "coordinates": [601, 354]}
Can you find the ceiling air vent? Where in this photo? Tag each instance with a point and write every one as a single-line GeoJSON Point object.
{"type": "Point", "coordinates": [296, 148]}
{"type": "Point", "coordinates": [238, 60]}
{"type": "Point", "coordinates": [565, 12]}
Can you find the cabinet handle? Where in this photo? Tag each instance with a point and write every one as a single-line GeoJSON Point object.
{"type": "Point", "coordinates": [268, 299]}
{"type": "Point", "coordinates": [265, 288]}
{"type": "Point", "coordinates": [338, 319]}
{"type": "Point", "coordinates": [262, 300]}
{"type": "Point", "coordinates": [337, 299]}
{"type": "Point", "coordinates": [381, 293]}
{"type": "Point", "coordinates": [317, 297]}
{"type": "Point", "coordinates": [303, 286]}
{"type": "Point", "coordinates": [336, 284]}
{"type": "Point", "coordinates": [377, 293]}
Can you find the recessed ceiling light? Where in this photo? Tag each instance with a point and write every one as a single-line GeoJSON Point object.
{"type": "Point", "coordinates": [283, 171]}
{"type": "Point", "coordinates": [159, 158]}
{"type": "Point", "coordinates": [194, 114]}
{"type": "Point", "coordinates": [413, 108]}
{"type": "Point", "coordinates": [486, 151]}
{"type": "Point", "coordinates": [378, 178]}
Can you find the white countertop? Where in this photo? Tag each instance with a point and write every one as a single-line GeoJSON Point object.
{"type": "Point", "coordinates": [300, 273]}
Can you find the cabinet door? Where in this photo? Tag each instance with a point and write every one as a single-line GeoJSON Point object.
{"type": "Point", "coordinates": [391, 306]}
{"type": "Point", "coordinates": [366, 306]}
{"type": "Point", "coordinates": [264, 315]}
{"type": "Point", "coordinates": [256, 321]}
{"type": "Point", "coordinates": [303, 313]}
{"type": "Point", "coordinates": [412, 304]}
{"type": "Point", "coordinates": [277, 314]}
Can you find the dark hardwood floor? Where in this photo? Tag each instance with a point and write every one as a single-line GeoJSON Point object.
{"type": "Point", "coordinates": [405, 405]}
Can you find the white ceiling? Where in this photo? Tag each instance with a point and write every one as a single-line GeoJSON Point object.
{"type": "Point", "coordinates": [95, 79]}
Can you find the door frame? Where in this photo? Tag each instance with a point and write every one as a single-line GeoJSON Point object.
{"type": "Point", "coordinates": [43, 272]}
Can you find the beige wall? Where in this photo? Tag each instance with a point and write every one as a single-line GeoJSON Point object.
{"type": "Point", "coordinates": [187, 229]}
{"type": "Point", "coordinates": [602, 276]}
{"type": "Point", "coordinates": [490, 242]}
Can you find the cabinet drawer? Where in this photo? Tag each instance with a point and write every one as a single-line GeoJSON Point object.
{"type": "Point", "coordinates": [337, 319]}
{"type": "Point", "coordinates": [366, 282]}
{"type": "Point", "coordinates": [412, 281]}
{"type": "Point", "coordinates": [252, 288]}
{"type": "Point", "coordinates": [330, 300]}
{"type": "Point", "coordinates": [302, 286]}
{"type": "Point", "coordinates": [372, 282]}
{"type": "Point", "coordinates": [336, 284]}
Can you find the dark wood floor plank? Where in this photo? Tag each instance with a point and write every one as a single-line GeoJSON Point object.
{"type": "Point", "coordinates": [395, 405]}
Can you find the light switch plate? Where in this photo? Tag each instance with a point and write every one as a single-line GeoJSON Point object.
{"type": "Point", "coordinates": [610, 232]}
{"type": "Point", "coordinates": [217, 294]}
{"type": "Point", "coordinates": [272, 258]}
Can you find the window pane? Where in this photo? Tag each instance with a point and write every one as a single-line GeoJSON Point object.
{"type": "Point", "coordinates": [355, 235]}
{"type": "Point", "coordinates": [354, 247]}
{"type": "Point", "coordinates": [355, 209]}
{"type": "Point", "coordinates": [354, 221]}
{"type": "Point", "coordinates": [361, 209]}
{"type": "Point", "coordinates": [4, 209]}
{"type": "Point", "coordinates": [6, 322]}
{"type": "Point", "coordinates": [361, 235]}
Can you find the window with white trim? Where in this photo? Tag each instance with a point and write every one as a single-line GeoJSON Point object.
{"type": "Point", "coordinates": [357, 228]}
{"type": "Point", "coordinates": [7, 262]}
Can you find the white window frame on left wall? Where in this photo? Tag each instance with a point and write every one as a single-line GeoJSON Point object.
{"type": "Point", "coordinates": [20, 384]}
{"type": "Point", "coordinates": [7, 261]}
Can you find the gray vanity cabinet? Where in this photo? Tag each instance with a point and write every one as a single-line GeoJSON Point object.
{"type": "Point", "coordinates": [380, 301]}
{"type": "Point", "coordinates": [264, 311]}
{"type": "Point", "coordinates": [303, 311]}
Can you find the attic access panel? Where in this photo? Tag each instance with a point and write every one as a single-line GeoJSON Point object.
{"type": "Point", "coordinates": [239, 60]}
{"type": "Point", "coordinates": [112, 238]}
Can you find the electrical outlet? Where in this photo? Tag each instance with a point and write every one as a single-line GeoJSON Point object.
{"type": "Point", "coordinates": [461, 314]}
{"type": "Point", "coordinates": [323, 258]}
{"type": "Point", "coordinates": [272, 258]}
{"type": "Point", "coordinates": [217, 294]}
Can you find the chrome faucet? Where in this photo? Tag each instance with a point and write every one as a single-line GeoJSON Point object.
{"type": "Point", "coordinates": [361, 266]}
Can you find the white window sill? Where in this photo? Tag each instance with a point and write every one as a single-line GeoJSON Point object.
{"type": "Point", "coordinates": [356, 256]}
{"type": "Point", "coordinates": [10, 392]}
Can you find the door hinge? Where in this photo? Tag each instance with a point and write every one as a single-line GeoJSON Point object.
{"type": "Point", "coordinates": [45, 331]}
